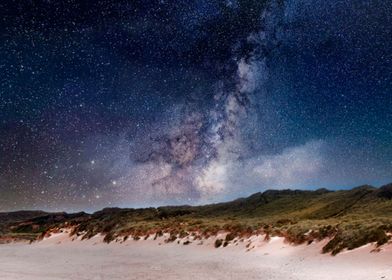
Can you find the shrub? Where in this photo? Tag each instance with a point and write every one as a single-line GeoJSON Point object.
{"type": "Point", "coordinates": [229, 237]}
{"type": "Point", "coordinates": [109, 237]}
{"type": "Point", "coordinates": [171, 238]}
{"type": "Point", "coordinates": [218, 243]}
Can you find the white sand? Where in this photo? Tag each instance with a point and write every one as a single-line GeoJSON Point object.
{"type": "Point", "coordinates": [60, 258]}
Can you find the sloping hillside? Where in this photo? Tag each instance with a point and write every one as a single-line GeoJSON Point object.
{"type": "Point", "coordinates": [349, 218]}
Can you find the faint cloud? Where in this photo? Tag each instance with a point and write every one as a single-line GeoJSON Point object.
{"type": "Point", "coordinates": [295, 166]}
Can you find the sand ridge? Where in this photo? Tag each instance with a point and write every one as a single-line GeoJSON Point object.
{"type": "Point", "coordinates": [60, 256]}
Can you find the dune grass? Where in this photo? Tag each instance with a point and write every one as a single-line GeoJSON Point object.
{"type": "Point", "coordinates": [349, 219]}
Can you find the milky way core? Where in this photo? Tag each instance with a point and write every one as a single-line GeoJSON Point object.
{"type": "Point", "coordinates": [145, 103]}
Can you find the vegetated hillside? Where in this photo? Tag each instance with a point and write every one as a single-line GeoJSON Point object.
{"type": "Point", "coordinates": [349, 218]}
{"type": "Point", "coordinates": [28, 225]}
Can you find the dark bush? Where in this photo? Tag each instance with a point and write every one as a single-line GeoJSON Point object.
{"type": "Point", "coordinates": [108, 237]}
{"type": "Point", "coordinates": [218, 243]}
{"type": "Point", "coordinates": [230, 236]}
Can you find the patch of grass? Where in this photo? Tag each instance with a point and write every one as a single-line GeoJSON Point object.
{"type": "Point", "coordinates": [356, 237]}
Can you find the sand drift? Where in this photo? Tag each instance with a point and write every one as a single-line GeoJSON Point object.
{"type": "Point", "coordinates": [64, 257]}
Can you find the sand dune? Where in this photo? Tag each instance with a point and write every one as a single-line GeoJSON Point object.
{"type": "Point", "coordinates": [58, 257]}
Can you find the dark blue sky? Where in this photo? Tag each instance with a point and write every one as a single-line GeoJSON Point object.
{"type": "Point", "coordinates": [136, 103]}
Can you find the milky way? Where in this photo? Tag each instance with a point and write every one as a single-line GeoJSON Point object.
{"type": "Point", "coordinates": [145, 103]}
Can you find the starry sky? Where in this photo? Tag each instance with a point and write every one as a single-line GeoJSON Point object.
{"type": "Point", "coordinates": [146, 103]}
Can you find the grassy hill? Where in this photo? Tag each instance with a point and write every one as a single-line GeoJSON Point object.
{"type": "Point", "coordinates": [349, 218]}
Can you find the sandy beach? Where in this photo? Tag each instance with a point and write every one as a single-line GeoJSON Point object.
{"type": "Point", "coordinates": [58, 257]}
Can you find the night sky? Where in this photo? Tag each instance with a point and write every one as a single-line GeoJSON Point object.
{"type": "Point", "coordinates": [146, 103]}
